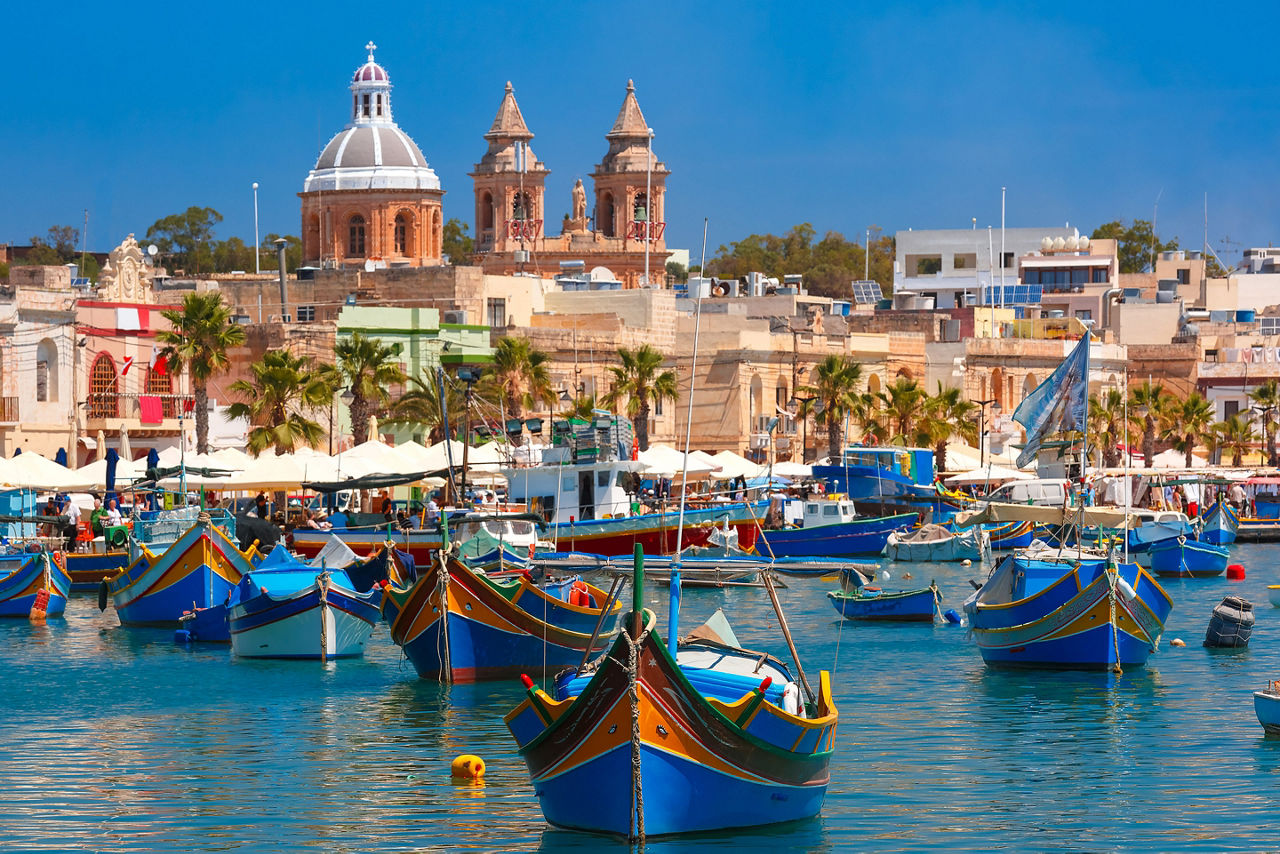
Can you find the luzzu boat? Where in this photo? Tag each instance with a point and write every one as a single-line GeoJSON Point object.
{"type": "Point", "coordinates": [1011, 535]}
{"type": "Point", "coordinates": [181, 560]}
{"type": "Point", "coordinates": [458, 625]}
{"type": "Point", "coordinates": [1067, 607]}
{"type": "Point", "coordinates": [722, 738]}
{"type": "Point", "coordinates": [1184, 558]}
{"type": "Point", "coordinates": [832, 528]}
{"type": "Point", "coordinates": [33, 585]}
{"type": "Point", "coordinates": [1218, 524]}
{"type": "Point", "coordinates": [288, 608]}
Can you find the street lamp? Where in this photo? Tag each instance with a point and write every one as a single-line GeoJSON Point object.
{"type": "Point", "coordinates": [797, 405]}
{"type": "Point", "coordinates": [982, 426]}
{"type": "Point", "coordinates": [257, 254]}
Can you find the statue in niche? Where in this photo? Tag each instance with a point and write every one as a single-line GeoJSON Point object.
{"type": "Point", "coordinates": [579, 201]}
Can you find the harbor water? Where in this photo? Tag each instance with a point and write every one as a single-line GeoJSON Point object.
{"type": "Point", "coordinates": [120, 740]}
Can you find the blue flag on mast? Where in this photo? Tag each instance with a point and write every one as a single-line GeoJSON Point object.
{"type": "Point", "coordinates": [1059, 403]}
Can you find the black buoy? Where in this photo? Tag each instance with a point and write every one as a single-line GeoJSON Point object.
{"type": "Point", "coordinates": [103, 592]}
{"type": "Point", "coordinates": [1231, 625]}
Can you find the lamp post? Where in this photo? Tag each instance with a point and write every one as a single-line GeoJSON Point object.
{"type": "Point", "coordinates": [798, 406]}
{"type": "Point", "coordinates": [468, 376]}
{"type": "Point", "coordinates": [982, 427]}
{"type": "Point", "coordinates": [257, 253]}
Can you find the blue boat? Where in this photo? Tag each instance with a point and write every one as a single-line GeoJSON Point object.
{"type": "Point", "coordinates": [1219, 524]}
{"type": "Point", "coordinates": [1266, 705]}
{"type": "Point", "coordinates": [1068, 608]}
{"type": "Point", "coordinates": [1184, 558]}
{"type": "Point", "coordinates": [1011, 535]}
{"type": "Point", "coordinates": [33, 585]}
{"type": "Point", "coordinates": [831, 528]}
{"type": "Point", "coordinates": [872, 603]}
{"type": "Point", "coordinates": [886, 476]}
{"type": "Point", "coordinates": [182, 560]}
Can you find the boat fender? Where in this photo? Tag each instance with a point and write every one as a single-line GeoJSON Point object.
{"type": "Point", "coordinates": [1177, 642]}
{"type": "Point", "coordinates": [966, 562]}
{"type": "Point", "coordinates": [884, 575]}
{"type": "Point", "coordinates": [1236, 572]}
{"type": "Point", "coordinates": [1126, 590]}
{"type": "Point", "coordinates": [103, 592]}
{"type": "Point", "coordinates": [578, 595]}
{"type": "Point", "coordinates": [764, 684]}
{"type": "Point", "coordinates": [467, 767]}
{"type": "Point", "coordinates": [952, 616]}
{"type": "Point", "coordinates": [182, 636]}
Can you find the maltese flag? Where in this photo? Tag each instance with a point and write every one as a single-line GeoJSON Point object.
{"type": "Point", "coordinates": [128, 363]}
{"type": "Point", "coordinates": [158, 363]}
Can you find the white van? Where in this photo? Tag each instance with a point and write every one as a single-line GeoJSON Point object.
{"type": "Point", "coordinates": [1046, 492]}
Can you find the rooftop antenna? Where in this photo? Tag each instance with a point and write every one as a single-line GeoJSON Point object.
{"type": "Point", "coordinates": [84, 241]}
{"type": "Point", "coordinates": [1155, 210]}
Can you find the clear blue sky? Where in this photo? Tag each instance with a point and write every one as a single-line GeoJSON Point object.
{"type": "Point", "coordinates": [842, 114]}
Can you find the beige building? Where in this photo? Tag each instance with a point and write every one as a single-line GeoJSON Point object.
{"type": "Point", "coordinates": [38, 361]}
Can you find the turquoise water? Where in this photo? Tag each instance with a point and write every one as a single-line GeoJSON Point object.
{"type": "Point", "coordinates": [118, 740]}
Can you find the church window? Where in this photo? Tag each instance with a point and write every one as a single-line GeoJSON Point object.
{"type": "Point", "coordinates": [641, 208]}
{"type": "Point", "coordinates": [520, 206]}
{"type": "Point", "coordinates": [378, 104]}
{"type": "Point", "coordinates": [42, 381]}
{"type": "Point", "coordinates": [355, 237]}
{"type": "Point", "coordinates": [355, 106]}
{"type": "Point", "coordinates": [486, 212]}
{"type": "Point", "coordinates": [46, 371]}
{"type": "Point", "coordinates": [366, 106]}
{"type": "Point", "coordinates": [104, 389]}
{"type": "Point", "coordinates": [402, 234]}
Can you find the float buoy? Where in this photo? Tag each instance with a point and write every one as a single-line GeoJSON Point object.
{"type": "Point", "coordinates": [1177, 642]}
{"type": "Point", "coordinates": [966, 562]}
{"type": "Point", "coordinates": [1236, 572]}
{"type": "Point", "coordinates": [884, 575]}
{"type": "Point", "coordinates": [467, 767]}
{"type": "Point", "coordinates": [952, 616]}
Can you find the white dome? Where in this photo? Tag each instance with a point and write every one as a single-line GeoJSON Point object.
{"type": "Point", "coordinates": [1072, 242]}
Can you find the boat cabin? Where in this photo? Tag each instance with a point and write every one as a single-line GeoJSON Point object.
{"type": "Point", "coordinates": [517, 532]}
{"type": "Point", "coordinates": [816, 512]}
{"type": "Point", "coordinates": [879, 473]}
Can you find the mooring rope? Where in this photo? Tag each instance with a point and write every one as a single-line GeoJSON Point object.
{"type": "Point", "coordinates": [324, 616]}
{"type": "Point", "coordinates": [633, 691]}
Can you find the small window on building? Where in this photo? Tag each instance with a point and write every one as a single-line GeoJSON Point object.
{"type": "Point", "coordinates": [402, 233]}
{"type": "Point", "coordinates": [964, 261]}
{"type": "Point", "coordinates": [929, 265]}
{"type": "Point", "coordinates": [1008, 260]}
{"type": "Point", "coordinates": [1211, 355]}
{"type": "Point", "coordinates": [1229, 408]}
{"type": "Point", "coordinates": [1079, 276]}
{"type": "Point", "coordinates": [306, 313]}
{"type": "Point", "coordinates": [1100, 275]}
{"type": "Point", "coordinates": [1084, 313]}
{"type": "Point", "coordinates": [497, 313]}
{"type": "Point", "coordinates": [355, 236]}
{"type": "Point", "coordinates": [42, 381]}
{"type": "Point", "coordinates": [378, 103]}
{"type": "Point", "coordinates": [1184, 277]}
{"type": "Point", "coordinates": [366, 106]}
{"type": "Point", "coordinates": [657, 407]}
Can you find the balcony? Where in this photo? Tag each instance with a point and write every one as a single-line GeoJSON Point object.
{"type": "Point", "coordinates": [111, 412]}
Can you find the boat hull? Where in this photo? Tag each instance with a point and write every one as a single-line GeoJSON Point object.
{"type": "Point", "coordinates": [314, 623]}
{"type": "Point", "coordinates": [857, 537]}
{"type": "Point", "coordinates": [28, 580]}
{"type": "Point", "coordinates": [1188, 559]}
{"type": "Point", "coordinates": [957, 547]}
{"type": "Point", "coordinates": [1266, 705]}
{"type": "Point", "coordinates": [704, 765]}
{"type": "Point", "coordinates": [1219, 525]}
{"type": "Point", "coordinates": [487, 633]}
{"type": "Point", "coordinates": [905, 606]}
{"type": "Point", "coordinates": [1011, 535]}
{"type": "Point", "coordinates": [89, 569]}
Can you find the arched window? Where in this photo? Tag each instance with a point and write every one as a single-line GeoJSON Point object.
{"type": "Point", "coordinates": [402, 234]}
{"type": "Point", "coordinates": [104, 389]}
{"type": "Point", "coordinates": [378, 104]}
{"type": "Point", "coordinates": [605, 223]}
{"type": "Point", "coordinates": [162, 384]}
{"type": "Point", "coordinates": [46, 371]}
{"type": "Point", "coordinates": [355, 236]}
{"type": "Point", "coordinates": [641, 208]}
{"type": "Point", "coordinates": [486, 211]}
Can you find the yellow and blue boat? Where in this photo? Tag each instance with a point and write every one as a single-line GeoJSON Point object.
{"type": "Point", "coordinates": [1218, 524]}
{"type": "Point", "coordinates": [172, 573]}
{"type": "Point", "coordinates": [33, 585]}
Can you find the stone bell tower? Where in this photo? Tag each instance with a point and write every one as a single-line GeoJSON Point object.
{"type": "Point", "coordinates": [509, 185]}
{"type": "Point", "coordinates": [630, 182]}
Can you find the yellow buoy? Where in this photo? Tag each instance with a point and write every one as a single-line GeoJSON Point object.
{"type": "Point", "coordinates": [467, 767]}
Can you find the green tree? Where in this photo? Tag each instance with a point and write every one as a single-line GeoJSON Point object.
{"type": "Point", "coordinates": [642, 381]}
{"type": "Point", "coordinates": [519, 375]}
{"type": "Point", "coordinates": [420, 407]}
{"type": "Point", "coordinates": [1106, 425]}
{"type": "Point", "coordinates": [1189, 423]}
{"type": "Point", "coordinates": [835, 383]}
{"type": "Point", "coordinates": [1146, 402]}
{"type": "Point", "coordinates": [292, 252]}
{"type": "Point", "coordinates": [1235, 435]}
{"type": "Point", "coordinates": [903, 401]}
{"type": "Point", "coordinates": [1266, 401]}
{"type": "Point", "coordinates": [1136, 244]}
{"type": "Point", "coordinates": [948, 414]}
{"type": "Point", "coordinates": [457, 245]}
{"type": "Point", "coordinates": [200, 334]}
{"type": "Point", "coordinates": [187, 237]}
{"type": "Point", "coordinates": [283, 391]}
{"type": "Point", "coordinates": [232, 254]}
{"type": "Point", "coordinates": [60, 245]}
{"type": "Point", "coordinates": [368, 368]}
{"type": "Point", "coordinates": [677, 271]}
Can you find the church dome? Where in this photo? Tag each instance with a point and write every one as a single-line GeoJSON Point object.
{"type": "Point", "coordinates": [371, 152]}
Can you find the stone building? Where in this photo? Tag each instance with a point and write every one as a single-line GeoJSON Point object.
{"type": "Point", "coordinates": [371, 200]}
{"type": "Point", "coordinates": [38, 361]}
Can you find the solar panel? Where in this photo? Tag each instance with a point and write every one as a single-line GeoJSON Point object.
{"type": "Point", "coordinates": [865, 293]}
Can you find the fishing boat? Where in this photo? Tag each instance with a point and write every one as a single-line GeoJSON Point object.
{"type": "Point", "coordinates": [1218, 525]}
{"type": "Point", "coordinates": [289, 608]}
{"type": "Point", "coordinates": [884, 480]}
{"type": "Point", "coordinates": [830, 527]}
{"type": "Point", "coordinates": [936, 543]}
{"type": "Point", "coordinates": [1184, 558]}
{"type": "Point", "coordinates": [1011, 535]}
{"type": "Point", "coordinates": [1273, 594]}
{"type": "Point", "coordinates": [868, 602]}
{"type": "Point", "coordinates": [33, 585]}
{"type": "Point", "coordinates": [181, 560]}
{"type": "Point", "coordinates": [1266, 705]}
{"type": "Point", "coordinates": [459, 625]}
{"type": "Point", "coordinates": [648, 742]}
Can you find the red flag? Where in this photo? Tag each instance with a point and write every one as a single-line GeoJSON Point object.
{"type": "Point", "coordinates": [158, 363]}
{"type": "Point", "coordinates": [128, 363]}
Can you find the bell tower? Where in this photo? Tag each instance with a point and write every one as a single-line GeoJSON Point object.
{"type": "Point", "coordinates": [509, 185]}
{"type": "Point", "coordinates": [630, 182]}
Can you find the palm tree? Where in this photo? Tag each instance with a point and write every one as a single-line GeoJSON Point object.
{"type": "Point", "coordinates": [1235, 435]}
{"type": "Point", "coordinates": [1146, 402]}
{"type": "Point", "coordinates": [519, 373]}
{"type": "Point", "coordinates": [640, 379]}
{"type": "Point", "coordinates": [865, 415]}
{"type": "Point", "coordinates": [903, 404]}
{"type": "Point", "coordinates": [1106, 425]}
{"type": "Point", "coordinates": [368, 369]}
{"type": "Point", "coordinates": [199, 336]}
{"type": "Point", "coordinates": [1266, 399]}
{"type": "Point", "coordinates": [581, 407]}
{"type": "Point", "coordinates": [835, 385]}
{"type": "Point", "coordinates": [947, 414]}
{"type": "Point", "coordinates": [419, 407]}
{"type": "Point", "coordinates": [1188, 423]}
{"type": "Point", "coordinates": [284, 388]}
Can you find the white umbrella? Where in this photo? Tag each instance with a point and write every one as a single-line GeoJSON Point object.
{"type": "Point", "coordinates": [665, 461]}
{"type": "Point", "coordinates": [993, 473]}
{"type": "Point", "coordinates": [96, 472]}
{"type": "Point", "coordinates": [374, 457]}
{"type": "Point", "coordinates": [734, 465]}
{"type": "Point", "coordinates": [126, 452]}
{"type": "Point", "coordinates": [791, 470]}
{"type": "Point", "coordinates": [1175, 459]}
{"type": "Point", "coordinates": [32, 471]}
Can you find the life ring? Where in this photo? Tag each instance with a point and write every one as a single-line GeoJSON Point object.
{"type": "Point", "coordinates": [871, 440]}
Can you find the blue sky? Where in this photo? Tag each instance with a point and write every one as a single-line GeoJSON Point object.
{"type": "Point", "coordinates": [845, 115]}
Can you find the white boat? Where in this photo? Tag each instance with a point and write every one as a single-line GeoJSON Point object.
{"type": "Point", "coordinates": [936, 543]}
{"type": "Point", "coordinates": [1273, 593]}
{"type": "Point", "coordinates": [288, 608]}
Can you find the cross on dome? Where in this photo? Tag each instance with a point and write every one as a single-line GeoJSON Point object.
{"type": "Point", "coordinates": [371, 47]}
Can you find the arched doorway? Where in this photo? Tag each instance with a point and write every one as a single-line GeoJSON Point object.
{"type": "Point", "coordinates": [997, 387]}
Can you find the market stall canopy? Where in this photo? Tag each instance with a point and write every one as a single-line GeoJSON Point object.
{"type": "Point", "coordinates": [437, 457]}
{"type": "Point", "coordinates": [375, 457]}
{"type": "Point", "coordinates": [96, 472]}
{"type": "Point", "coordinates": [994, 474]}
{"type": "Point", "coordinates": [733, 465]}
{"type": "Point", "coordinates": [32, 471]}
{"type": "Point", "coordinates": [995, 512]}
{"type": "Point", "coordinates": [489, 456]}
{"type": "Point", "coordinates": [794, 471]}
{"type": "Point", "coordinates": [665, 461]}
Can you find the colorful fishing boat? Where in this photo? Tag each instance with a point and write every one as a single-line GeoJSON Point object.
{"type": "Point", "coordinates": [1011, 535]}
{"type": "Point", "coordinates": [171, 572]}
{"type": "Point", "coordinates": [936, 543]}
{"type": "Point", "coordinates": [33, 585]}
{"type": "Point", "coordinates": [89, 569]}
{"type": "Point", "coordinates": [1266, 705]}
{"type": "Point", "coordinates": [649, 743]}
{"type": "Point", "coordinates": [1218, 524]}
{"type": "Point", "coordinates": [868, 602]}
{"type": "Point", "coordinates": [831, 527]}
{"type": "Point", "coordinates": [1184, 558]}
{"type": "Point", "coordinates": [288, 608]}
{"type": "Point", "coordinates": [459, 625]}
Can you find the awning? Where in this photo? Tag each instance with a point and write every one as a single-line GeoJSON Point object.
{"type": "Point", "coordinates": [996, 512]}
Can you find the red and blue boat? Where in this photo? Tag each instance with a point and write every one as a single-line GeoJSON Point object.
{"type": "Point", "coordinates": [831, 528]}
{"type": "Point", "coordinates": [33, 585]}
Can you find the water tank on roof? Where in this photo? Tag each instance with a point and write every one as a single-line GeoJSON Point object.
{"type": "Point", "coordinates": [1059, 243]}
{"type": "Point", "coordinates": [1163, 296]}
{"type": "Point", "coordinates": [1072, 243]}
{"type": "Point", "coordinates": [1084, 242]}
{"type": "Point", "coordinates": [1046, 243]}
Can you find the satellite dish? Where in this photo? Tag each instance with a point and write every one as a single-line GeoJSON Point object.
{"type": "Point", "coordinates": [153, 250]}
